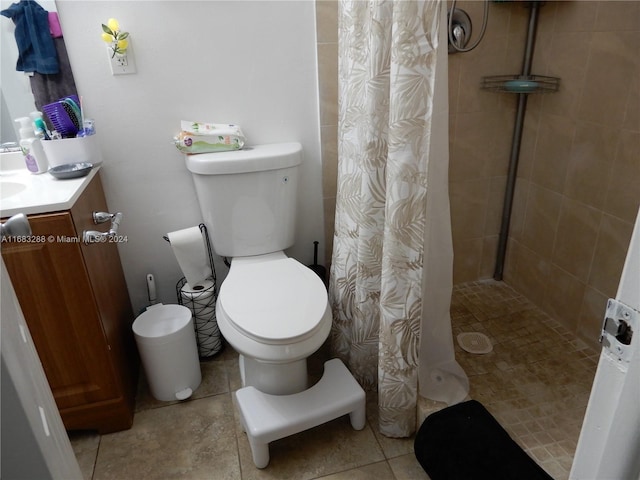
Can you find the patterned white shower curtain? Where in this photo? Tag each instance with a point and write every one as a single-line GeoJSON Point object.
{"type": "Point", "coordinates": [387, 59]}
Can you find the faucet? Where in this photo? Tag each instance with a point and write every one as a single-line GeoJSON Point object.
{"type": "Point", "coordinates": [8, 147]}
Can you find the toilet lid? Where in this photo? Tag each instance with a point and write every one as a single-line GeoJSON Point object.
{"type": "Point", "coordinates": [274, 301]}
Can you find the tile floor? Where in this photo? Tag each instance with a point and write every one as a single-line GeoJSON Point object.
{"type": "Point", "coordinates": [536, 382]}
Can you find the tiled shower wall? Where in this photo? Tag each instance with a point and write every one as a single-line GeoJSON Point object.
{"type": "Point", "coordinates": [327, 38]}
{"type": "Point", "coordinates": [578, 186]}
{"type": "Point", "coordinates": [577, 191]}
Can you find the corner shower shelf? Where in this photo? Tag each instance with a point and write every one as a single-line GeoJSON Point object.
{"type": "Point", "coordinates": [521, 84]}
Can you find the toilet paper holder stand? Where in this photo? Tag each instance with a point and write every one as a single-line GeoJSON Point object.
{"type": "Point", "coordinates": [208, 337]}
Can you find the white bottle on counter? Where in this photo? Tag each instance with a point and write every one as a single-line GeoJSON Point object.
{"type": "Point", "coordinates": [34, 156]}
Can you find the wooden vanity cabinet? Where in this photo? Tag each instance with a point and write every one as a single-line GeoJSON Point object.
{"type": "Point", "coordinates": [75, 302]}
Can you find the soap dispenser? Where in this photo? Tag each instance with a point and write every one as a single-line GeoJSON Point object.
{"type": "Point", "coordinates": [34, 156]}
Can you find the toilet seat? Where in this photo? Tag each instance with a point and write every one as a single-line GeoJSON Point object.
{"type": "Point", "coordinates": [273, 299]}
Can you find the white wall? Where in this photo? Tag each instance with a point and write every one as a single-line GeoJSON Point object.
{"type": "Point", "coordinates": [244, 62]}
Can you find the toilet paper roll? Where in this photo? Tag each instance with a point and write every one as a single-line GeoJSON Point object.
{"type": "Point", "coordinates": [189, 248]}
{"type": "Point", "coordinates": [205, 313]}
{"type": "Point", "coordinates": [201, 288]}
{"type": "Point", "coordinates": [201, 301]}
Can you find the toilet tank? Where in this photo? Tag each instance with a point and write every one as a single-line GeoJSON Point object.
{"type": "Point", "coordinates": [248, 197]}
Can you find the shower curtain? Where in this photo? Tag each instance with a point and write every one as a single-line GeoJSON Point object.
{"type": "Point", "coordinates": [390, 281]}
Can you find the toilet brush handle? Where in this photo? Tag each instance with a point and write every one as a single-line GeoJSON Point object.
{"type": "Point", "coordinates": [151, 288]}
{"type": "Point", "coordinates": [315, 252]}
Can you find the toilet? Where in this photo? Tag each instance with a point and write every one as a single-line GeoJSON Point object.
{"type": "Point", "coordinates": [272, 309]}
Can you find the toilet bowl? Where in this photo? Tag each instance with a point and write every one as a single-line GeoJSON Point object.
{"type": "Point", "coordinates": [275, 313]}
{"type": "Point", "coordinates": [272, 309]}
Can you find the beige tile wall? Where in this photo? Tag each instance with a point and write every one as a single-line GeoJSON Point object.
{"type": "Point", "coordinates": [578, 189]}
{"type": "Point", "coordinates": [327, 38]}
{"type": "Point", "coordinates": [578, 186]}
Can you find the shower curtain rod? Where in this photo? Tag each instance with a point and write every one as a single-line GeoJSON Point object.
{"type": "Point", "coordinates": [515, 144]}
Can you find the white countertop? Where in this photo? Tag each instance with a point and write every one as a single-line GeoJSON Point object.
{"type": "Point", "coordinates": [39, 193]}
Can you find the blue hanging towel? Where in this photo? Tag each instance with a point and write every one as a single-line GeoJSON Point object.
{"type": "Point", "coordinates": [36, 50]}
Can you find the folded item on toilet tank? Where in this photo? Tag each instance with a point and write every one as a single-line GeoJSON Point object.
{"type": "Point", "coordinates": [198, 137]}
{"type": "Point", "coordinates": [190, 251]}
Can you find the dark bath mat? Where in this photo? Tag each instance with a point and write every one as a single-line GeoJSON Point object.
{"type": "Point", "coordinates": [464, 442]}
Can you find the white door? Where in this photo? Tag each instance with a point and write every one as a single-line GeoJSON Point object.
{"type": "Point", "coordinates": [39, 446]}
{"type": "Point", "coordinates": [609, 443]}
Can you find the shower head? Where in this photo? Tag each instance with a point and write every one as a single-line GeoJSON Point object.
{"type": "Point", "coordinates": [460, 32]}
{"type": "Point", "coordinates": [459, 36]}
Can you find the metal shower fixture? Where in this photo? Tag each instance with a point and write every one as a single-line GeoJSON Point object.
{"type": "Point", "coordinates": [459, 28]}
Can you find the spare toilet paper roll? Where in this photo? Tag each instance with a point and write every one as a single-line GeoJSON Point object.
{"type": "Point", "coordinates": [201, 301]}
{"type": "Point", "coordinates": [199, 298]}
{"type": "Point", "coordinates": [189, 249]}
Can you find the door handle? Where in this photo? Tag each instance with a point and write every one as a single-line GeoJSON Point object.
{"type": "Point", "coordinates": [94, 236]}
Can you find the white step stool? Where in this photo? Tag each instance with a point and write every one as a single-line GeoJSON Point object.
{"type": "Point", "coordinates": [266, 418]}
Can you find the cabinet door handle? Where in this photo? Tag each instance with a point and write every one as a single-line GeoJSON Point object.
{"type": "Point", "coordinates": [94, 236]}
{"type": "Point", "coordinates": [101, 217]}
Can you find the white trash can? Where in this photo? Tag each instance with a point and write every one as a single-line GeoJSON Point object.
{"type": "Point", "coordinates": [167, 345]}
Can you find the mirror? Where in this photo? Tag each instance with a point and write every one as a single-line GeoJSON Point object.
{"type": "Point", "coordinates": [17, 99]}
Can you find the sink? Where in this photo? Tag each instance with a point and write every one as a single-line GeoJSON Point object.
{"type": "Point", "coordinates": [23, 192]}
{"type": "Point", "coordinates": [11, 161]}
{"type": "Point", "coordinates": [8, 189]}
{"type": "Point", "coordinates": [12, 169]}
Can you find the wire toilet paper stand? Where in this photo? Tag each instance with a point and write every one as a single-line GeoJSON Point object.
{"type": "Point", "coordinates": [201, 300]}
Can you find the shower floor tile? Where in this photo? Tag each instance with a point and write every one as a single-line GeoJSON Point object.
{"type": "Point", "coordinates": [536, 383]}
{"type": "Point", "coordinates": [537, 380]}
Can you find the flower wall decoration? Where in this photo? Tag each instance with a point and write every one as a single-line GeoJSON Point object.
{"type": "Point", "coordinates": [116, 38]}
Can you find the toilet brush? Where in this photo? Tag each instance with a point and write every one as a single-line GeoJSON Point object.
{"type": "Point", "coordinates": [319, 269]}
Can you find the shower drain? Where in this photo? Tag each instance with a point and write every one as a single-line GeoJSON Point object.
{"type": "Point", "coordinates": [474, 342]}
